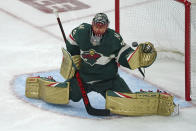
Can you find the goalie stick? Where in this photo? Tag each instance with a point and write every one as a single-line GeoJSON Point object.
{"type": "Point", "coordinates": [89, 108]}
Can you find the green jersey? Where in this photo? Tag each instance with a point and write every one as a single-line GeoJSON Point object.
{"type": "Point", "coordinates": [99, 61]}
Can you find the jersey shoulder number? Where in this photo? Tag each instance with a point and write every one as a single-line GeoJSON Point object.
{"type": "Point", "coordinates": [117, 36]}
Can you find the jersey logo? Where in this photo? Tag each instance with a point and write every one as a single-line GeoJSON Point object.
{"type": "Point", "coordinates": [90, 57]}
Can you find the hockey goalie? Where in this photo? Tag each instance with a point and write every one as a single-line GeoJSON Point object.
{"type": "Point", "coordinates": [94, 50]}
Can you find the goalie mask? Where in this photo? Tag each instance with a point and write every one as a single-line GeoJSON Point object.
{"type": "Point", "coordinates": [100, 24]}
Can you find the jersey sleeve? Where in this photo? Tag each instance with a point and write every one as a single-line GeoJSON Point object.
{"type": "Point", "coordinates": [122, 50]}
{"type": "Point", "coordinates": [123, 53]}
{"type": "Point", "coordinates": [72, 42]}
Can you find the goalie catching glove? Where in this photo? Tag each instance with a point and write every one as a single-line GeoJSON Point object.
{"type": "Point", "coordinates": [143, 56]}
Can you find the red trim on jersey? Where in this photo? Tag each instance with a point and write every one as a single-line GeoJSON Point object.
{"type": "Point", "coordinates": [71, 37]}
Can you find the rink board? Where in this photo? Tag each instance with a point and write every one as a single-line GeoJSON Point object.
{"type": "Point", "coordinates": [77, 109]}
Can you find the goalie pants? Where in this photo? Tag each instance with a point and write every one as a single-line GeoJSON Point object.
{"type": "Point", "coordinates": [115, 84]}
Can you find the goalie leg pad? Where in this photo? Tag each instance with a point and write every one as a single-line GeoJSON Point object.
{"type": "Point", "coordinates": [166, 104]}
{"type": "Point", "coordinates": [139, 104]}
{"type": "Point", "coordinates": [47, 90]}
{"type": "Point", "coordinates": [32, 87]}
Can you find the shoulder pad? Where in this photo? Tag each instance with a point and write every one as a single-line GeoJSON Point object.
{"type": "Point", "coordinates": [117, 37]}
{"type": "Point", "coordinates": [83, 27]}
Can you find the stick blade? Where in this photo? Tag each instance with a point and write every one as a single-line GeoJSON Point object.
{"type": "Point", "coordinates": [97, 112]}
